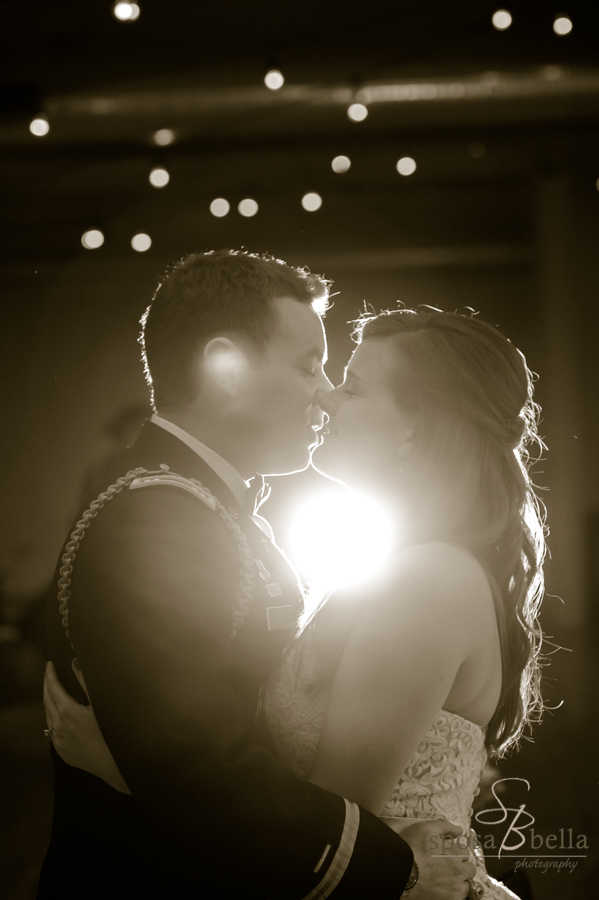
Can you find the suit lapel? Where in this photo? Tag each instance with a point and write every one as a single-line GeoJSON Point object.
{"type": "Point", "coordinates": [276, 602]}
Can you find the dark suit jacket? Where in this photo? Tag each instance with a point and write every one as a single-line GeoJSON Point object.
{"type": "Point", "coordinates": [212, 808]}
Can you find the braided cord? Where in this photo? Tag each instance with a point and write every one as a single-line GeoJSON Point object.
{"type": "Point", "coordinates": [246, 560]}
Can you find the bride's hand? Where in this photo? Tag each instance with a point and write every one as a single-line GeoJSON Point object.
{"type": "Point", "coordinates": [75, 732]}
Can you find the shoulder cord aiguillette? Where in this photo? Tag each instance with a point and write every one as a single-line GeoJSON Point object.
{"type": "Point", "coordinates": [144, 478]}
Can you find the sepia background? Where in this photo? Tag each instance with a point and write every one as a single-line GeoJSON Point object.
{"type": "Point", "coordinates": [500, 214]}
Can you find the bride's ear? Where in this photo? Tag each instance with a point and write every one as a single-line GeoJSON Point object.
{"type": "Point", "coordinates": [224, 364]}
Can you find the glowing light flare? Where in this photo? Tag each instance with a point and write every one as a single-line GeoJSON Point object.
{"type": "Point", "coordinates": [340, 540]}
{"type": "Point", "coordinates": [126, 12]}
{"type": "Point", "coordinates": [406, 165]}
{"type": "Point", "coordinates": [220, 207]}
{"type": "Point", "coordinates": [502, 19]}
{"type": "Point", "coordinates": [92, 239]}
{"type": "Point", "coordinates": [159, 178]}
{"type": "Point", "coordinates": [311, 201]}
{"type": "Point", "coordinates": [39, 126]}
{"type": "Point", "coordinates": [248, 207]}
{"type": "Point", "coordinates": [341, 164]}
{"type": "Point", "coordinates": [357, 112]}
{"type": "Point", "coordinates": [274, 80]}
{"type": "Point", "coordinates": [141, 242]}
{"type": "Point", "coordinates": [562, 25]}
{"type": "Point", "coordinates": [163, 137]}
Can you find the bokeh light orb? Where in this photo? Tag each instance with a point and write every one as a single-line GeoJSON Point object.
{"type": "Point", "coordinates": [220, 207]}
{"type": "Point", "coordinates": [159, 177]}
{"type": "Point", "coordinates": [562, 25]}
{"type": "Point", "coordinates": [126, 12]}
{"type": "Point", "coordinates": [141, 242]}
{"type": "Point", "coordinates": [39, 126]}
{"type": "Point", "coordinates": [357, 112]}
{"type": "Point", "coordinates": [311, 201]}
{"type": "Point", "coordinates": [502, 19]}
{"type": "Point", "coordinates": [341, 164]}
{"type": "Point", "coordinates": [406, 165]}
{"type": "Point", "coordinates": [274, 80]}
{"type": "Point", "coordinates": [163, 137]}
{"type": "Point", "coordinates": [248, 207]}
{"type": "Point", "coordinates": [92, 239]}
{"type": "Point", "coordinates": [340, 539]}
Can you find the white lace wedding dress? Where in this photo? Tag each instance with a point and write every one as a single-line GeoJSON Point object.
{"type": "Point", "coordinates": [441, 779]}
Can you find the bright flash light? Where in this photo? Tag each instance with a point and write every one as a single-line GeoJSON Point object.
{"type": "Point", "coordinates": [159, 178]}
{"type": "Point", "coordinates": [220, 207]}
{"type": "Point", "coordinates": [39, 126]}
{"type": "Point", "coordinates": [141, 242]}
{"type": "Point", "coordinates": [562, 25]}
{"type": "Point", "coordinates": [340, 539]}
{"type": "Point", "coordinates": [248, 207]}
{"type": "Point", "coordinates": [311, 202]}
{"type": "Point", "coordinates": [406, 165]}
{"type": "Point", "coordinates": [92, 239]}
{"type": "Point", "coordinates": [357, 112]}
{"type": "Point", "coordinates": [502, 19]}
{"type": "Point", "coordinates": [163, 137]}
{"type": "Point", "coordinates": [126, 12]}
{"type": "Point", "coordinates": [341, 164]}
{"type": "Point", "coordinates": [274, 80]}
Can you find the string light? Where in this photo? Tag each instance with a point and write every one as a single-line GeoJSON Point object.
{"type": "Point", "coordinates": [341, 164]}
{"type": "Point", "coordinates": [311, 201]}
{"type": "Point", "coordinates": [141, 242]}
{"type": "Point", "coordinates": [274, 80]}
{"type": "Point", "coordinates": [92, 239]}
{"type": "Point", "coordinates": [562, 25]}
{"type": "Point", "coordinates": [39, 126]}
{"type": "Point", "coordinates": [476, 150]}
{"type": "Point", "coordinates": [159, 178]}
{"type": "Point", "coordinates": [248, 207]}
{"type": "Point", "coordinates": [220, 207]}
{"type": "Point", "coordinates": [406, 165]}
{"type": "Point", "coordinates": [357, 112]}
{"type": "Point", "coordinates": [502, 19]}
{"type": "Point", "coordinates": [163, 137]}
{"type": "Point", "coordinates": [126, 12]}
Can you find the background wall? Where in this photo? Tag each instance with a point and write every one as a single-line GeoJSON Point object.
{"type": "Point", "coordinates": [501, 215]}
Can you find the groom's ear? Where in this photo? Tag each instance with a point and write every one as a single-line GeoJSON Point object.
{"type": "Point", "coordinates": [224, 364]}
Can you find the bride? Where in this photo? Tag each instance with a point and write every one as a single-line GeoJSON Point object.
{"type": "Point", "coordinates": [394, 697]}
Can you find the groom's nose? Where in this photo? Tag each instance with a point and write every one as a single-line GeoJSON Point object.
{"type": "Point", "coordinates": [323, 388]}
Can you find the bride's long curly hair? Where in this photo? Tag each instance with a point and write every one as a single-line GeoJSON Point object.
{"type": "Point", "coordinates": [467, 477]}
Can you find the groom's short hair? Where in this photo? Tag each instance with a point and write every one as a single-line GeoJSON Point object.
{"type": "Point", "coordinates": [207, 294]}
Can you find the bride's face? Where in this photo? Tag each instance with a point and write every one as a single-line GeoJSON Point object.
{"type": "Point", "coordinates": [368, 432]}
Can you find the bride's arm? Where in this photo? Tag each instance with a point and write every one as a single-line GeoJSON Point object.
{"type": "Point", "coordinates": [396, 671]}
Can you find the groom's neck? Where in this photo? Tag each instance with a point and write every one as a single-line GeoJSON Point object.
{"type": "Point", "coordinates": [220, 437]}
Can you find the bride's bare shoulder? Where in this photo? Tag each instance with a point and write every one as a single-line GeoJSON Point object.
{"type": "Point", "coordinates": [437, 573]}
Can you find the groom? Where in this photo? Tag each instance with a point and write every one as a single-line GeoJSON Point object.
{"type": "Point", "coordinates": [178, 604]}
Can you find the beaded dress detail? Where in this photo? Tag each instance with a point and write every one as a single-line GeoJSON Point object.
{"type": "Point", "coordinates": [441, 779]}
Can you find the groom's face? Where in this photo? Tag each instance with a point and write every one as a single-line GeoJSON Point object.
{"type": "Point", "coordinates": [284, 389]}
